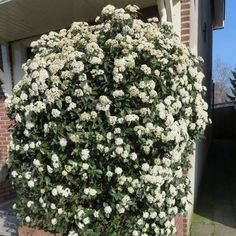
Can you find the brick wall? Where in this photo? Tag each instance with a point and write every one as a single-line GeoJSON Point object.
{"type": "Point", "coordinates": [185, 22]}
{"type": "Point", "coordinates": [181, 221]}
{"type": "Point", "coordinates": [4, 133]}
{"type": "Point", "coordinates": [6, 190]}
{"type": "Point", "coordinates": [181, 225]}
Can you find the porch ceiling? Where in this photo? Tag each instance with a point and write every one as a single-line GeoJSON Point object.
{"type": "Point", "coordinates": [25, 18]}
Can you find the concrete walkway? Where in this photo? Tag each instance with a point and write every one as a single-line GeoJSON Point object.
{"type": "Point", "coordinates": [8, 221]}
{"type": "Point", "coordinates": [215, 213]}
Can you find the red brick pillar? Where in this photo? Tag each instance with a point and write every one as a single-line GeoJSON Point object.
{"type": "Point", "coordinates": [4, 133]}
{"type": "Point", "coordinates": [181, 225]}
{"type": "Point", "coordinates": [181, 221]}
{"type": "Point", "coordinates": [185, 22]}
{"type": "Point", "coordinates": [6, 190]}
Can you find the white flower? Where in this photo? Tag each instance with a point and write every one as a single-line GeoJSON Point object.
{"type": "Point", "coordinates": [145, 215]}
{"type": "Point", "coordinates": [64, 173]}
{"type": "Point", "coordinates": [28, 175]}
{"type": "Point", "coordinates": [54, 192]}
{"type": "Point", "coordinates": [157, 72]}
{"type": "Point", "coordinates": [162, 214]}
{"type": "Point", "coordinates": [108, 210]}
{"type": "Point", "coordinates": [27, 219]}
{"type": "Point", "coordinates": [109, 174]}
{"type": "Point", "coordinates": [63, 142]}
{"type": "Point", "coordinates": [60, 211]}
{"type": "Point", "coordinates": [145, 167]}
{"type": "Point", "coordinates": [31, 183]}
{"type": "Point", "coordinates": [73, 233]}
{"type": "Point", "coordinates": [43, 74]}
{"type": "Point", "coordinates": [112, 120]}
{"type": "Point", "coordinates": [86, 191]}
{"type": "Point", "coordinates": [132, 8]}
{"type": "Point", "coordinates": [30, 203]}
{"type": "Point", "coordinates": [94, 114]}
{"type": "Point", "coordinates": [92, 192]}
{"type": "Point", "coordinates": [104, 103]}
{"type": "Point", "coordinates": [108, 10]}
{"type": "Point", "coordinates": [118, 93]}
{"type": "Point", "coordinates": [14, 174]}
{"type": "Point", "coordinates": [130, 189]}
{"type": "Point", "coordinates": [85, 166]}
{"type": "Point", "coordinates": [96, 214]}
{"type": "Point", "coordinates": [153, 215]}
{"type": "Point", "coordinates": [85, 154]}
{"type": "Point", "coordinates": [119, 150]}
{"type": "Point", "coordinates": [119, 141]}
{"type": "Point", "coordinates": [29, 125]}
{"type": "Point", "coordinates": [32, 145]}
{"type": "Point", "coordinates": [53, 206]}
{"type": "Point", "coordinates": [146, 69]}
{"type": "Point", "coordinates": [23, 96]}
{"type": "Point", "coordinates": [133, 156]}
{"type": "Point", "coordinates": [118, 170]}
{"type": "Point", "coordinates": [86, 220]}
{"type": "Point", "coordinates": [26, 147]}
{"type": "Point", "coordinates": [77, 66]}
{"type": "Point", "coordinates": [54, 221]}
{"type": "Point", "coordinates": [55, 113]}
{"type": "Point", "coordinates": [131, 117]}
{"type": "Point", "coordinates": [55, 158]}
{"type": "Point", "coordinates": [18, 118]}
{"type": "Point", "coordinates": [135, 233]}
{"type": "Point", "coordinates": [36, 163]}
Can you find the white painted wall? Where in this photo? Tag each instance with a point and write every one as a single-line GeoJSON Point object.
{"type": "Point", "coordinates": [19, 57]}
{"type": "Point", "coordinates": [177, 16]}
{"type": "Point", "coordinates": [12, 74]}
{"type": "Point", "coordinates": [6, 73]}
{"type": "Point", "coordinates": [201, 44]}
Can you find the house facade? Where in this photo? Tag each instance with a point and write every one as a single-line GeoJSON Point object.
{"type": "Point", "coordinates": [23, 21]}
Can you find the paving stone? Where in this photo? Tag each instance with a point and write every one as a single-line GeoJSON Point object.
{"type": "Point", "coordinates": [223, 230]}
{"type": "Point", "coordinates": [215, 211]}
{"type": "Point", "coordinates": [199, 229]}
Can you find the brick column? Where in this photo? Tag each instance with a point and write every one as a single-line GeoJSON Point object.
{"type": "Point", "coordinates": [181, 225]}
{"type": "Point", "coordinates": [4, 133]}
{"type": "Point", "coordinates": [6, 190]}
{"type": "Point", "coordinates": [185, 22]}
{"type": "Point", "coordinates": [181, 222]}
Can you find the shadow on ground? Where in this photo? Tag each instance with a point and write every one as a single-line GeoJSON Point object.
{"type": "Point", "coordinates": [8, 221]}
{"type": "Point", "coordinates": [215, 211]}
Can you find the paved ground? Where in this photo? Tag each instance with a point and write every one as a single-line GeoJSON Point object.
{"type": "Point", "coordinates": [8, 222]}
{"type": "Point", "coordinates": [215, 213]}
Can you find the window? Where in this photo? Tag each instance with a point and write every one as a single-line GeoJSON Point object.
{"type": "Point", "coordinates": [29, 54]}
{"type": "Point", "coordinates": [149, 12]}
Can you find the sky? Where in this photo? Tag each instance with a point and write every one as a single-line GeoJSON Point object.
{"type": "Point", "coordinates": [224, 40]}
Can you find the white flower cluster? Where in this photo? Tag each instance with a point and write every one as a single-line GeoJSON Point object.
{"type": "Point", "coordinates": [105, 119]}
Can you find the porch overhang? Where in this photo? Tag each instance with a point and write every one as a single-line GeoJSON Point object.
{"type": "Point", "coordinates": [218, 14]}
{"type": "Point", "coordinates": [21, 19]}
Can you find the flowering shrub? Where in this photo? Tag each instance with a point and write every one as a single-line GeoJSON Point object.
{"type": "Point", "coordinates": [105, 118]}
